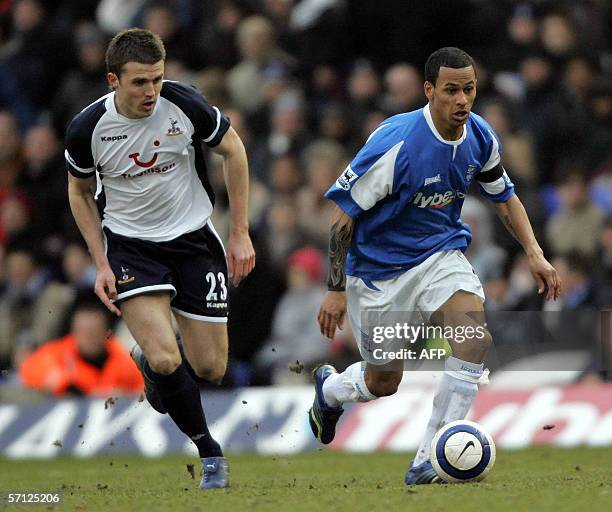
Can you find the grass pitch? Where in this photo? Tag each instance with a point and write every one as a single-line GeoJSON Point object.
{"type": "Point", "coordinates": [538, 479]}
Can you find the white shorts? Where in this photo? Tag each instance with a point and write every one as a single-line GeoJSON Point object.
{"type": "Point", "coordinates": [422, 289]}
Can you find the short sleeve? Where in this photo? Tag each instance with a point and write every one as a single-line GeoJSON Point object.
{"type": "Point", "coordinates": [209, 123]}
{"type": "Point", "coordinates": [78, 154]}
{"type": "Point", "coordinates": [494, 152]}
{"type": "Point", "coordinates": [493, 180]}
{"type": "Point", "coordinates": [370, 177]}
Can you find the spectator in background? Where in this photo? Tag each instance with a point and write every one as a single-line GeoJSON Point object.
{"type": "Point", "coordinates": [31, 306]}
{"type": "Point", "coordinates": [520, 39]}
{"type": "Point", "coordinates": [324, 160]}
{"type": "Point", "coordinates": [115, 15]}
{"type": "Point", "coordinates": [538, 100]}
{"type": "Point", "coordinates": [257, 43]}
{"type": "Point", "coordinates": [41, 180]}
{"type": "Point", "coordinates": [211, 83]}
{"type": "Point", "coordinates": [404, 86]}
{"type": "Point", "coordinates": [598, 151]}
{"type": "Point", "coordinates": [484, 255]}
{"type": "Point", "coordinates": [282, 234]}
{"type": "Point", "coordinates": [159, 17]}
{"type": "Point", "coordinates": [295, 336]}
{"type": "Point", "coordinates": [576, 227]}
{"type": "Point", "coordinates": [603, 266]}
{"type": "Point", "coordinates": [518, 154]}
{"type": "Point", "coordinates": [78, 269]}
{"type": "Point", "coordinates": [334, 124]}
{"type": "Point", "coordinates": [85, 83]}
{"type": "Point", "coordinates": [575, 317]}
{"type": "Point", "coordinates": [79, 276]}
{"type": "Point", "coordinates": [36, 56]}
{"type": "Point", "coordinates": [259, 198]}
{"type": "Point", "coordinates": [558, 36]}
{"type": "Point", "coordinates": [88, 361]}
{"type": "Point", "coordinates": [11, 155]}
{"type": "Point", "coordinates": [14, 216]}
{"type": "Point", "coordinates": [518, 157]}
{"type": "Point", "coordinates": [363, 87]}
{"type": "Point", "coordinates": [218, 34]}
{"type": "Point", "coordinates": [288, 129]}
{"type": "Point", "coordinates": [285, 176]}
{"type": "Point", "coordinates": [579, 288]}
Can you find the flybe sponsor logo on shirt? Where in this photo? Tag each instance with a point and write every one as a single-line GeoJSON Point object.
{"type": "Point", "coordinates": [436, 200]}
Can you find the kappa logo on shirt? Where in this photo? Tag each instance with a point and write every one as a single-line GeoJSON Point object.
{"type": "Point", "coordinates": [113, 138]}
{"type": "Point", "coordinates": [345, 179]}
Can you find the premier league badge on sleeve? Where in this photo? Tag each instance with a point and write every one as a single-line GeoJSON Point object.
{"type": "Point", "coordinates": [345, 179]}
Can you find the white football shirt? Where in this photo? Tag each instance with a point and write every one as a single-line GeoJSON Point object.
{"type": "Point", "coordinates": [152, 177]}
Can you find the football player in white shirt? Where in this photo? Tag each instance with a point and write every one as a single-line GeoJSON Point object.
{"type": "Point", "coordinates": [148, 229]}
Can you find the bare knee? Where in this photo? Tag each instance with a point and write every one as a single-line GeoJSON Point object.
{"type": "Point", "coordinates": [383, 383]}
{"type": "Point", "coordinates": [164, 362]}
{"type": "Point", "coordinates": [211, 371]}
{"type": "Point", "coordinates": [475, 349]}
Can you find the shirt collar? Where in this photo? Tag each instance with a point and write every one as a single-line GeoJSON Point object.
{"type": "Point", "coordinates": [432, 127]}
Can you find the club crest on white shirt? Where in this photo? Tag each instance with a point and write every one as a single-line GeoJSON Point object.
{"type": "Point", "coordinates": [174, 129]}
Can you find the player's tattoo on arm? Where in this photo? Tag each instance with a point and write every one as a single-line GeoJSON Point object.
{"type": "Point", "coordinates": [339, 242]}
{"type": "Point", "coordinates": [509, 226]}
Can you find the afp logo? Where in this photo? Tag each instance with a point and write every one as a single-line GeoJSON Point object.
{"type": "Point", "coordinates": [345, 179]}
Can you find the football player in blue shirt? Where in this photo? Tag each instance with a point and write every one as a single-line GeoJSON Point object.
{"type": "Point", "coordinates": [397, 243]}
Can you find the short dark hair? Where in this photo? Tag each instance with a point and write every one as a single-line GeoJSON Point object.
{"type": "Point", "coordinates": [134, 45]}
{"type": "Point", "coordinates": [86, 301]}
{"type": "Point", "coordinates": [448, 57]}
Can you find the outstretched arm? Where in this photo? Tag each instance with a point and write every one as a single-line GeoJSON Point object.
{"type": "Point", "coordinates": [513, 215]}
{"type": "Point", "coordinates": [333, 307]}
{"type": "Point", "coordinates": [85, 212]}
{"type": "Point", "coordinates": [240, 252]}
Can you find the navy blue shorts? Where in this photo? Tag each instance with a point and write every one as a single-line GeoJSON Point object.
{"type": "Point", "coordinates": [191, 267]}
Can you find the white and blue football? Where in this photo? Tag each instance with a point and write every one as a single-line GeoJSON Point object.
{"type": "Point", "coordinates": [462, 451]}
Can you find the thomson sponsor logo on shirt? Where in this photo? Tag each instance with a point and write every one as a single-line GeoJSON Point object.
{"type": "Point", "coordinates": [436, 200]}
{"type": "Point", "coordinates": [112, 138]}
{"type": "Point", "coordinates": [155, 170]}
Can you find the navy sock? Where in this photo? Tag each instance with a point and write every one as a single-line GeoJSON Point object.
{"type": "Point", "coordinates": [180, 395]}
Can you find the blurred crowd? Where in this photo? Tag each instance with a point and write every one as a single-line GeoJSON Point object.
{"type": "Point", "coordinates": [304, 83]}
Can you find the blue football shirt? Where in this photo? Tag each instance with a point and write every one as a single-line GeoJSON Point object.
{"type": "Point", "coordinates": [405, 189]}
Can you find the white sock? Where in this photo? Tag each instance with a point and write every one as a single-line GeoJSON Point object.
{"type": "Point", "coordinates": [452, 401]}
{"type": "Point", "coordinates": [348, 386]}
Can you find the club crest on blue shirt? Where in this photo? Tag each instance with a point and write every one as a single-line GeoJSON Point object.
{"type": "Point", "coordinates": [345, 179]}
{"type": "Point", "coordinates": [471, 170]}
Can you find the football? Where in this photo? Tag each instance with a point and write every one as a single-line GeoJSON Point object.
{"type": "Point", "coordinates": [462, 451]}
